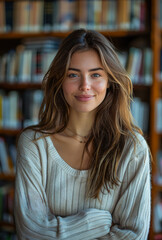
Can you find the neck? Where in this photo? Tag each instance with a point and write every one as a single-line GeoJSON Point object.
{"type": "Point", "coordinates": [80, 124]}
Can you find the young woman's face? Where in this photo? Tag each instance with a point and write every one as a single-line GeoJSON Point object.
{"type": "Point", "coordinates": [86, 82]}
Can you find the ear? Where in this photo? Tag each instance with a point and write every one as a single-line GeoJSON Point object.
{"type": "Point", "coordinates": [108, 84]}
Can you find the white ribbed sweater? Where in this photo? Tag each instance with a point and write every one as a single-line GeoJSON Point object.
{"type": "Point", "coordinates": [50, 198]}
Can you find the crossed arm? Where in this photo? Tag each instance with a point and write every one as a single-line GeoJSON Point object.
{"type": "Point", "coordinates": [34, 219]}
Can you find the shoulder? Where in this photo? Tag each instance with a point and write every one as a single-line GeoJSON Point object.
{"type": "Point", "coordinates": [31, 148]}
{"type": "Point", "coordinates": [27, 141]}
{"type": "Point", "coordinates": [136, 154]}
{"type": "Point", "coordinates": [136, 144]}
{"type": "Point", "coordinates": [28, 136]}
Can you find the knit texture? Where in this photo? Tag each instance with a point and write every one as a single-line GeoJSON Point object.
{"type": "Point", "coordinates": [50, 200]}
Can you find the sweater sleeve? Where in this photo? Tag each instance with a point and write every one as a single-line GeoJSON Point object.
{"type": "Point", "coordinates": [33, 218]}
{"type": "Point", "coordinates": [131, 216]}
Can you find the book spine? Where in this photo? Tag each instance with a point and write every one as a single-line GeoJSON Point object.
{"type": "Point", "coordinates": [48, 16]}
{"type": "Point", "coordinates": [140, 113]}
{"type": "Point", "coordinates": [9, 15]}
{"type": "Point", "coordinates": [2, 17]}
{"type": "Point", "coordinates": [159, 115]}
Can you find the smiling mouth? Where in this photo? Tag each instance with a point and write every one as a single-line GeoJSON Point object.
{"type": "Point", "coordinates": [84, 98]}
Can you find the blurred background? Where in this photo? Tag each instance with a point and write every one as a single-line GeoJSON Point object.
{"type": "Point", "coordinates": [30, 34]}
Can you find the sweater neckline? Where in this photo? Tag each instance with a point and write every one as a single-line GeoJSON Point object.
{"type": "Point", "coordinates": [61, 162]}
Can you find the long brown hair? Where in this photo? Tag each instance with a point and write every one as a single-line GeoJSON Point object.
{"type": "Point", "coordinates": [113, 121]}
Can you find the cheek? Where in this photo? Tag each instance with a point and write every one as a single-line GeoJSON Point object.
{"type": "Point", "coordinates": [101, 86]}
{"type": "Point", "coordinates": [67, 88]}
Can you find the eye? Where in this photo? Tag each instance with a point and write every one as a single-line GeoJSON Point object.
{"type": "Point", "coordinates": [96, 75]}
{"type": "Point", "coordinates": [72, 75]}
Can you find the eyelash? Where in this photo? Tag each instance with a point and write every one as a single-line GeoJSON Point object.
{"type": "Point", "coordinates": [73, 75]}
{"type": "Point", "coordinates": [98, 75]}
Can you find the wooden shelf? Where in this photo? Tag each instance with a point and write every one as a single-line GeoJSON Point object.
{"type": "Point", "coordinates": [9, 227]}
{"type": "Point", "coordinates": [157, 188]}
{"type": "Point", "coordinates": [9, 132]}
{"type": "Point", "coordinates": [7, 177]}
{"type": "Point", "coordinates": [62, 34]}
{"type": "Point", "coordinates": [141, 87]}
{"type": "Point", "coordinates": [20, 86]}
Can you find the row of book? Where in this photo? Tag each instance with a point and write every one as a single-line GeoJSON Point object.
{"type": "Point", "coordinates": [140, 112]}
{"type": "Point", "coordinates": [31, 60]}
{"type": "Point", "coordinates": [62, 15]}
{"type": "Point", "coordinates": [138, 63]}
{"type": "Point", "coordinates": [17, 112]}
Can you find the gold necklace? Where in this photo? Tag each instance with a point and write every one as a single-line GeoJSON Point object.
{"type": "Point", "coordinates": [83, 138]}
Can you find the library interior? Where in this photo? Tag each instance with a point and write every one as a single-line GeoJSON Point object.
{"type": "Point", "coordinates": [30, 35]}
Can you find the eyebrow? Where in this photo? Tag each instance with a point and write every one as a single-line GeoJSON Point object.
{"type": "Point", "coordinates": [90, 70]}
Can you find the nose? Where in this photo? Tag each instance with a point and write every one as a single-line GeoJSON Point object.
{"type": "Point", "coordinates": [84, 84]}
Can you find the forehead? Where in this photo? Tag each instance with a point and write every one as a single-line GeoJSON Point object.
{"type": "Point", "coordinates": [86, 58]}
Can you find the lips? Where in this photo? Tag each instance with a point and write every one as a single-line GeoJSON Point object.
{"type": "Point", "coordinates": [84, 98]}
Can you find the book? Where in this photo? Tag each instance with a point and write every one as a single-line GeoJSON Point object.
{"type": "Point", "coordinates": [140, 113]}
{"type": "Point", "coordinates": [134, 63]}
{"type": "Point", "coordinates": [90, 14]}
{"type": "Point", "coordinates": [4, 158]}
{"type": "Point", "coordinates": [104, 15]}
{"type": "Point", "coordinates": [82, 14]}
{"type": "Point", "coordinates": [97, 14]}
{"type": "Point", "coordinates": [123, 16]}
{"type": "Point", "coordinates": [26, 66]}
{"type": "Point", "coordinates": [1, 110]}
{"type": "Point", "coordinates": [9, 16]}
{"type": "Point", "coordinates": [158, 177]}
{"type": "Point", "coordinates": [160, 74]}
{"type": "Point", "coordinates": [10, 110]}
{"type": "Point", "coordinates": [66, 14]}
{"type": "Point", "coordinates": [123, 56]}
{"type": "Point", "coordinates": [112, 22]}
{"type": "Point", "coordinates": [160, 15]}
{"type": "Point", "coordinates": [135, 14]}
{"type": "Point", "coordinates": [48, 16]}
{"type": "Point", "coordinates": [3, 64]}
{"type": "Point", "coordinates": [148, 59]}
{"type": "Point", "coordinates": [14, 121]}
{"type": "Point", "coordinates": [159, 115]}
{"type": "Point", "coordinates": [32, 101]}
{"type": "Point", "coordinates": [142, 15]}
{"type": "Point", "coordinates": [158, 213]}
{"type": "Point", "coordinates": [24, 14]}
{"type": "Point", "coordinates": [56, 26]}
{"type": "Point", "coordinates": [36, 16]}
{"type": "Point", "coordinates": [6, 202]}
{"type": "Point", "coordinates": [2, 18]}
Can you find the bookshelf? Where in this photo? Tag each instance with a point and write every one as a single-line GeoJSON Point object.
{"type": "Point", "coordinates": [123, 32]}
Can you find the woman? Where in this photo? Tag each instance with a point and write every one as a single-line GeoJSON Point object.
{"type": "Point", "coordinates": [83, 172]}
